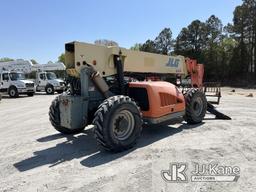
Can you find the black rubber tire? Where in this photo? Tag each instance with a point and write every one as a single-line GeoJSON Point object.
{"type": "Point", "coordinates": [30, 94]}
{"type": "Point", "coordinates": [192, 96]}
{"type": "Point", "coordinates": [106, 113]}
{"type": "Point", "coordinates": [37, 90]}
{"type": "Point", "coordinates": [54, 116]}
{"type": "Point", "coordinates": [47, 90]}
{"type": "Point", "coordinates": [16, 93]}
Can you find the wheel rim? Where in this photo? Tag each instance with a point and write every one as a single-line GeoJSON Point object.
{"type": "Point", "coordinates": [12, 92]}
{"type": "Point", "coordinates": [123, 125]}
{"type": "Point", "coordinates": [198, 106]}
{"type": "Point", "coordinates": [49, 90]}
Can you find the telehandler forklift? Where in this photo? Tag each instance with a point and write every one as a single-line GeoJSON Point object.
{"type": "Point", "coordinates": [112, 88]}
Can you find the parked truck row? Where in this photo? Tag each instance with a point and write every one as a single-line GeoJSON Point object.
{"type": "Point", "coordinates": [14, 83]}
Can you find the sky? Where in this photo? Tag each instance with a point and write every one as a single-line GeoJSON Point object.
{"type": "Point", "coordinates": [38, 29]}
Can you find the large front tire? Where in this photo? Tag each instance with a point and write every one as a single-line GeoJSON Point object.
{"type": "Point", "coordinates": [54, 116]}
{"type": "Point", "coordinates": [118, 123]}
{"type": "Point", "coordinates": [196, 106]}
{"type": "Point", "coordinates": [13, 92]}
{"type": "Point", "coordinates": [49, 89]}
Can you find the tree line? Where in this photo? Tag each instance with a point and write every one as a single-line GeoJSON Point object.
{"type": "Point", "coordinates": [227, 52]}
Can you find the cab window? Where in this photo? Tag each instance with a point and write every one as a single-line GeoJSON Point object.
{"type": "Point", "coordinates": [5, 76]}
{"type": "Point", "coordinates": [42, 76]}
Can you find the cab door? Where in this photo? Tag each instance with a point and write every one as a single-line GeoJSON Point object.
{"type": "Point", "coordinates": [5, 82]}
{"type": "Point", "coordinates": [42, 79]}
{"type": "Point", "coordinates": [1, 81]}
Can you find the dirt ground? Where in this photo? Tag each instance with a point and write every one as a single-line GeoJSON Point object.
{"type": "Point", "coordinates": [34, 157]}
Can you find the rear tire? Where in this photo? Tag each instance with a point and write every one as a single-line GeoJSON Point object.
{"type": "Point", "coordinates": [196, 106]}
{"type": "Point", "coordinates": [13, 92]}
{"type": "Point", "coordinates": [54, 116]}
{"type": "Point", "coordinates": [38, 90]}
{"type": "Point", "coordinates": [118, 123]}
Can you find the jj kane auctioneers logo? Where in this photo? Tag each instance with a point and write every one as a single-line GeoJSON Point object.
{"type": "Point", "coordinates": [212, 172]}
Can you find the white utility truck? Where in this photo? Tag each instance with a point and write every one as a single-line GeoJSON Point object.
{"type": "Point", "coordinates": [45, 80]}
{"type": "Point", "coordinates": [15, 83]}
{"type": "Point", "coordinates": [48, 82]}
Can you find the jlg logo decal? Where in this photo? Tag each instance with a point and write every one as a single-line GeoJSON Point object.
{"type": "Point", "coordinates": [173, 62]}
